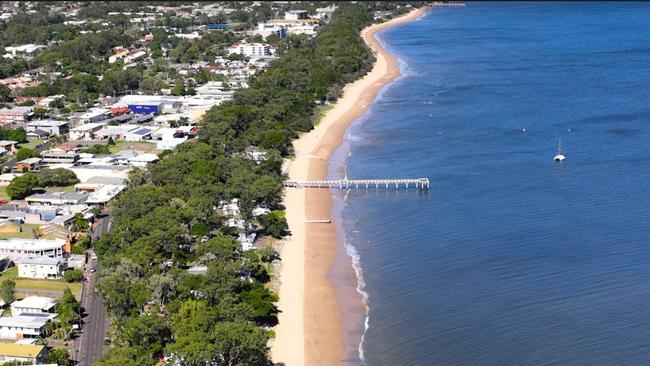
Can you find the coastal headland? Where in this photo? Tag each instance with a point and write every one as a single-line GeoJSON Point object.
{"type": "Point", "coordinates": [310, 330]}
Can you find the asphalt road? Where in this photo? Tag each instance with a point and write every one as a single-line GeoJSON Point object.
{"type": "Point", "coordinates": [90, 345]}
{"type": "Point", "coordinates": [11, 162]}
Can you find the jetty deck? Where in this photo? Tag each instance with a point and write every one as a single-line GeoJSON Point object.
{"type": "Point", "coordinates": [418, 183]}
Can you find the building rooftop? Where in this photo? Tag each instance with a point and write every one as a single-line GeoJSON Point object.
{"type": "Point", "coordinates": [30, 161]}
{"type": "Point", "coordinates": [30, 321]}
{"type": "Point", "coordinates": [41, 260]}
{"type": "Point", "coordinates": [20, 350]}
{"type": "Point", "coordinates": [30, 244]}
{"type": "Point", "coordinates": [48, 123]}
{"type": "Point", "coordinates": [35, 302]}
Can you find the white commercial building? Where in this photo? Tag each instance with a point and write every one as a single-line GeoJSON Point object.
{"type": "Point", "coordinates": [33, 305]}
{"type": "Point", "coordinates": [17, 248]}
{"type": "Point", "coordinates": [41, 267]}
{"type": "Point", "coordinates": [296, 15]}
{"type": "Point", "coordinates": [252, 50]}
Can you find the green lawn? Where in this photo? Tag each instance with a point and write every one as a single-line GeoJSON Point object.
{"type": "Point", "coordinates": [43, 285]}
{"type": "Point", "coordinates": [149, 147]}
{"type": "Point", "coordinates": [32, 144]}
{"type": "Point", "coordinates": [4, 195]}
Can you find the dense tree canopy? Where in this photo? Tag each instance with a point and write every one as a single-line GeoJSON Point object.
{"type": "Point", "coordinates": [168, 220]}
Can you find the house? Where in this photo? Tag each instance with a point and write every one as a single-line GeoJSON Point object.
{"type": "Point", "coordinates": [255, 154]}
{"type": "Point", "coordinates": [31, 354]}
{"type": "Point", "coordinates": [37, 134]}
{"type": "Point", "coordinates": [9, 145]}
{"type": "Point", "coordinates": [28, 165]}
{"type": "Point", "coordinates": [118, 56]}
{"type": "Point", "coordinates": [24, 326]}
{"type": "Point", "coordinates": [53, 127]}
{"type": "Point", "coordinates": [142, 160]}
{"type": "Point", "coordinates": [16, 248]}
{"type": "Point", "coordinates": [33, 305]}
{"type": "Point", "coordinates": [15, 114]}
{"type": "Point", "coordinates": [86, 131]}
{"type": "Point", "coordinates": [6, 178]}
{"type": "Point", "coordinates": [40, 267]}
{"type": "Point", "coordinates": [26, 50]}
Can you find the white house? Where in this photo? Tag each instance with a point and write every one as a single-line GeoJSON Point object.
{"type": "Point", "coordinates": [33, 305]}
{"type": "Point", "coordinates": [40, 267]}
{"type": "Point", "coordinates": [17, 248]}
{"type": "Point", "coordinates": [24, 326]}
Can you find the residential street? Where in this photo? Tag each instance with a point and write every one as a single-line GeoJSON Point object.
{"type": "Point", "coordinates": [89, 346]}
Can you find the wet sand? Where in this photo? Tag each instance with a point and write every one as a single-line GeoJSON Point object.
{"type": "Point", "coordinates": [310, 330]}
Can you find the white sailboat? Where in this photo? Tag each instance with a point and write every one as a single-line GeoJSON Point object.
{"type": "Point", "coordinates": [559, 157]}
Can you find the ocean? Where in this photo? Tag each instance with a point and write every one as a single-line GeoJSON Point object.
{"type": "Point", "coordinates": [510, 258]}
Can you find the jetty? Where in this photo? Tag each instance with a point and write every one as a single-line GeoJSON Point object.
{"type": "Point", "coordinates": [417, 183]}
{"type": "Point", "coordinates": [438, 4]}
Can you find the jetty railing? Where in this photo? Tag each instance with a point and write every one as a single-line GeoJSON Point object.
{"type": "Point", "coordinates": [418, 183]}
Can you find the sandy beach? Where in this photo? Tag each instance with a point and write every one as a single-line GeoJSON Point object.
{"type": "Point", "coordinates": [310, 330]}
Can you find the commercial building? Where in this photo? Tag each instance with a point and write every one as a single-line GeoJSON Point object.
{"type": "Point", "coordinates": [154, 108]}
{"type": "Point", "coordinates": [17, 353]}
{"type": "Point", "coordinates": [57, 157]}
{"type": "Point", "coordinates": [41, 267]}
{"type": "Point", "coordinates": [15, 114]}
{"type": "Point", "coordinates": [33, 305]}
{"type": "Point", "coordinates": [51, 126]}
{"type": "Point", "coordinates": [56, 199]}
{"type": "Point", "coordinates": [296, 15]}
{"type": "Point", "coordinates": [252, 50]}
{"type": "Point", "coordinates": [17, 248]}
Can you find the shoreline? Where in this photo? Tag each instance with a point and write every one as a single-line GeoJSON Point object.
{"type": "Point", "coordinates": [310, 330]}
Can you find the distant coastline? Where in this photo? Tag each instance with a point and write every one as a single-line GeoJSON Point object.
{"type": "Point", "coordinates": [310, 330]}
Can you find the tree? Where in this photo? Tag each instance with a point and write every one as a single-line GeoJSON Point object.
{"type": "Point", "coordinates": [79, 223]}
{"type": "Point", "coordinates": [59, 356]}
{"type": "Point", "coordinates": [73, 275]}
{"type": "Point", "coordinates": [110, 142]}
{"type": "Point", "coordinates": [58, 177]}
{"type": "Point", "coordinates": [8, 291]}
{"type": "Point", "coordinates": [147, 332]}
{"type": "Point", "coordinates": [21, 187]}
{"type": "Point", "coordinates": [151, 85]}
{"type": "Point", "coordinates": [39, 112]}
{"type": "Point", "coordinates": [25, 153]}
{"type": "Point", "coordinates": [274, 223]}
{"type": "Point", "coordinates": [5, 93]}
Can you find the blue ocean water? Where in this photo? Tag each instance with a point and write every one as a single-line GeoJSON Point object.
{"type": "Point", "coordinates": [511, 258]}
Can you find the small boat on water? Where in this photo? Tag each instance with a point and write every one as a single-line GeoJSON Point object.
{"type": "Point", "coordinates": [559, 157]}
